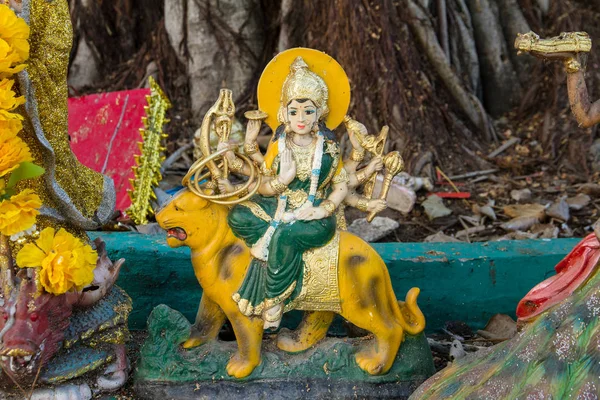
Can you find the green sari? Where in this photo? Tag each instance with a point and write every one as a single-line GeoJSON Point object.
{"type": "Point", "coordinates": [279, 279]}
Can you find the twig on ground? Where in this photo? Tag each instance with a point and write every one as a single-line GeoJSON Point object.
{"type": "Point", "coordinates": [451, 183]}
{"type": "Point", "coordinates": [473, 174]}
{"type": "Point", "coordinates": [505, 146]}
{"type": "Point", "coordinates": [534, 175]}
{"type": "Point", "coordinates": [480, 179]}
{"type": "Point", "coordinates": [468, 231]}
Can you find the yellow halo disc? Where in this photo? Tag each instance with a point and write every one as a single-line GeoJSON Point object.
{"type": "Point", "coordinates": [272, 79]}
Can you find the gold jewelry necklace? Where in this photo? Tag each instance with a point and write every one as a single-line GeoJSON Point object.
{"type": "Point", "coordinates": [303, 155]}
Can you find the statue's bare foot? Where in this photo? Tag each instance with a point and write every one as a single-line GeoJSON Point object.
{"type": "Point", "coordinates": [371, 362]}
{"type": "Point", "coordinates": [287, 341]}
{"type": "Point", "coordinates": [239, 367]}
{"type": "Point", "coordinates": [272, 317]}
{"type": "Point", "coordinates": [313, 328]}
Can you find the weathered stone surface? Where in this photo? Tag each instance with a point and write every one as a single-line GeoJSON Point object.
{"type": "Point", "coordinates": [84, 69]}
{"type": "Point", "coordinates": [151, 229]}
{"type": "Point", "coordinates": [371, 232]}
{"type": "Point", "coordinates": [326, 371]}
{"type": "Point", "coordinates": [400, 197]}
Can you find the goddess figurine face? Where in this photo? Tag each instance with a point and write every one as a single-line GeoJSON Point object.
{"type": "Point", "coordinates": [302, 116]}
{"type": "Point", "coordinates": [304, 98]}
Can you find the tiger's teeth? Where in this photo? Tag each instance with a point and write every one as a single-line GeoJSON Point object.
{"type": "Point", "coordinates": [27, 358]}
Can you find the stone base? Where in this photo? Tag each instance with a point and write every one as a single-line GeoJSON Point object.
{"type": "Point", "coordinates": [276, 389]}
{"type": "Point", "coordinates": [166, 371]}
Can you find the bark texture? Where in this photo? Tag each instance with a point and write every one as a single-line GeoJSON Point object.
{"type": "Point", "coordinates": [441, 73]}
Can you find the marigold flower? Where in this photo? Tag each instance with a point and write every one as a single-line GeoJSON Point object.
{"type": "Point", "coordinates": [14, 47]}
{"type": "Point", "coordinates": [13, 150]}
{"type": "Point", "coordinates": [19, 212]}
{"type": "Point", "coordinates": [8, 99]}
{"type": "Point", "coordinates": [10, 127]}
{"type": "Point", "coordinates": [65, 262]}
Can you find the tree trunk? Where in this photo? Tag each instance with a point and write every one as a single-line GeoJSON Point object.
{"type": "Point", "coordinates": [501, 86]}
{"type": "Point", "coordinates": [436, 98]}
{"type": "Point", "coordinates": [223, 41]}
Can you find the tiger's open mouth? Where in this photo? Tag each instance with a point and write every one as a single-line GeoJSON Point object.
{"type": "Point", "coordinates": [177, 233]}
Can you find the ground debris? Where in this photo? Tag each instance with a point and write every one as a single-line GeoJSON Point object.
{"type": "Point", "coordinates": [486, 210]}
{"type": "Point", "coordinates": [499, 328]}
{"type": "Point", "coordinates": [559, 210]}
{"type": "Point", "coordinates": [520, 195]}
{"type": "Point", "coordinates": [371, 232]}
{"type": "Point", "coordinates": [578, 202]}
{"type": "Point", "coordinates": [440, 237]}
{"type": "Point", "coordinates": [435, 208]}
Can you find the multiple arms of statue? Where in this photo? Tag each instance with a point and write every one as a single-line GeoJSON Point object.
{"type": "Point", "coordinates": [341, 192]}
{"type": "Point", "coordinates": [357, 178]}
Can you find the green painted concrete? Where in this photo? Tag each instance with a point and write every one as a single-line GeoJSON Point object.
{"type": "Point", "coordinates": [458, 281]}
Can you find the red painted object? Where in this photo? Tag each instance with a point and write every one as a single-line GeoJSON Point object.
{"type": "Point", "coordinates": [571, 272]}
{"type": "Point", "coordinates": [104, 130]}
{"type": "Point", "coordinates": [452, 195]}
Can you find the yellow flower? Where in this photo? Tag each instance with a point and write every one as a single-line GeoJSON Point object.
{"type": "Point", "coordinates": [65, 262]}
{"type": "Point", "coordinates": [13, 150]}
{"type": "Point", "coordinates": [14, 47]}
{"type": "Point", "coordinates": [8, 99]}
{"type": "Point", "coordinates": [9, 126]}
{"type": "Point", "coordinates": [18, 213]}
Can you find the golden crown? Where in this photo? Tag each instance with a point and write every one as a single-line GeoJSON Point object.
{"type": "Point", "coordinates": [302, 83]}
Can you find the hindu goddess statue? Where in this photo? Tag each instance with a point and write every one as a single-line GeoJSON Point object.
{"type": "Point", "coordinates": [274, 243]}
{"type": "Point", "coordinates": [305, 183]}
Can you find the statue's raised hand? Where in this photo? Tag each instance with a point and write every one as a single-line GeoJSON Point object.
{"type": "Point", "coordinates": [287, 167]}
{"type": "Point", "coordinates": [252, 130]}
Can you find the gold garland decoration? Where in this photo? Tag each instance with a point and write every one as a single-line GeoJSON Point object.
{"type": "Point", "coordinates": [148, 163]}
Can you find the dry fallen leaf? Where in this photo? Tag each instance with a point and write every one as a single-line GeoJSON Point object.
{"type": "Point", "coordinates": [525, 210]}
{"type": "Point", "coordinates": [499, 327]}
